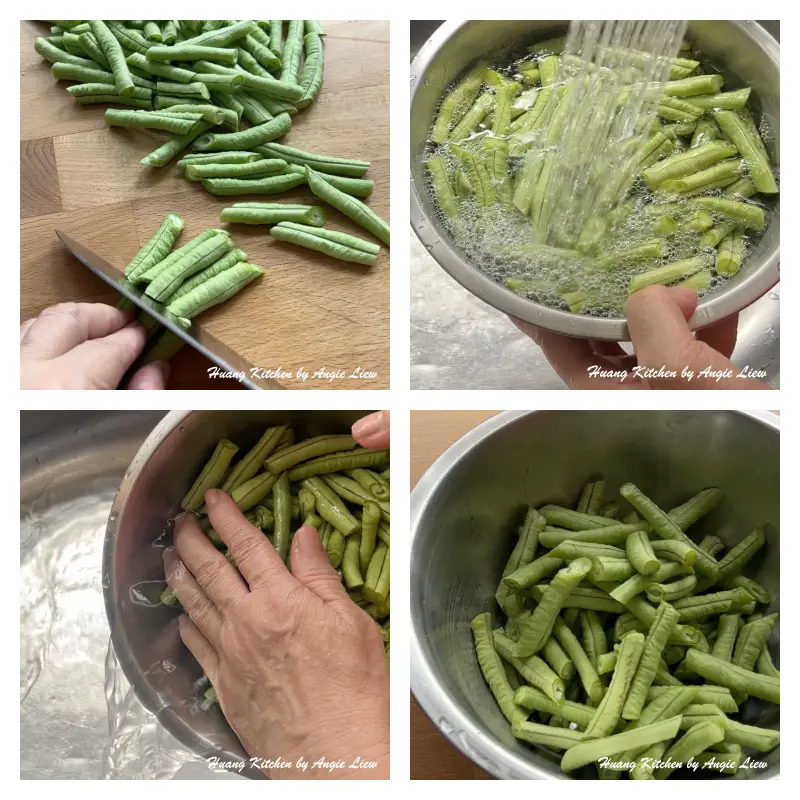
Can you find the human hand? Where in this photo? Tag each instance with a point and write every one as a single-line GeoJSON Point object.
{"type": "Point", "coordinates": [299, 669]}
{"type": "Point", "coordinates": [85, 346]}
{"type": "Point", "coordinates": [666, 349]}
{"type": "Point", "coordinates": [373, 430]}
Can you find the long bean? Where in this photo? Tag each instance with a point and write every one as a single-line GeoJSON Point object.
{"type": "Point", "coordinates": [330, 507]}
{"type": "Point", "coordinates": [520, 559]}
{"type": "Point", "coordinates": [211, 475]}
{"type": "Point", "coordinates": [611, 706]}
{"type": "Point", "coordinates": [666, 528]}
{"type": "Point", "coordinates": [584, 753]}
{"type": "Point", "coordinates": [492, 668]}
{"type": "Point", "coordinates": [665, 621]}
{"type": "Point", "coordinates": [536, 631]}
{"type": "Point", "coordinates": [533, 669]}
{"type": "Point", "coordinates": [734, 678]}
{"type": "Point", "coordinates": [251, 462]}
{"type": "Point", "coordinates": [338, 462]}
{"type": "Point", "coordinates": [360, 213]}
{"type": "Point", "coordinates": [609, 534]}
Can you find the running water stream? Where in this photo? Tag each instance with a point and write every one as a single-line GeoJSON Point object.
{"type": "Point", "coordinates": [606, 81]}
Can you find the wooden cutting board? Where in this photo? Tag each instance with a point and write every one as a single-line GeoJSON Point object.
{"type": "Point", "coordinates": [432, 756]}
{"type": "Point", "coordinates": [308, 311]}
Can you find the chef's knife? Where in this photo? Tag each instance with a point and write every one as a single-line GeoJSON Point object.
{"type": "Point", "coordinates": [225, 358]}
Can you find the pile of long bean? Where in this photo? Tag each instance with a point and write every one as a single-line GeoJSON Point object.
{"type": "Point", "coordinates": [681, 210]}
{"type": "Point", "coordinates": [197, 80]}
{"type": "Point", "coordinates": [329, 482]}
{"type": "Point", "coordinates": [206, 271]}
{"type": "Point", "coordinates": [627, 644]}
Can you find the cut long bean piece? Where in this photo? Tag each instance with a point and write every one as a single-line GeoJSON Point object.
{"type": "Point", "coordinates": [664, 623]}
{"type": "Point", "coordinates": [492, 668]}
{"type": "Point", "coordinates": [360, 213]}
{"type": "Point", "coordinates": [272, 184]}
{"type": "Point", "coordinates": [211, 476]}
{"type": "Point", "coordinates": [348, 167]}
{"type": "Point", "coordinates": [610, 534]}
{"type": "Point", "coordinates": [533, 669]}
{"type": "Point", "coordinates": [666, 528]}
{"type": "Point", "coordinates": [734, 678]}
{"type": "Point", "coordinates": [587, 752]}
{"type": "Point", "coordinates": [587, 673]}
{"type": "Point", "coordinates": [313, 239]}
{"type": "Point", "coordinates": [536, 631]}
{"type": "Point", "coordinates": [457, 102]}
{"type": "Point", "coordinates": [749, 144]}
{"type": "Point", "coordinates": [216, 290]}
{"type": "Point", "coordinates": [610, 709]}
{"type": "Point", "coordinates": [521, 557]}
{"type": "Point", "coordinates": [735, 559]}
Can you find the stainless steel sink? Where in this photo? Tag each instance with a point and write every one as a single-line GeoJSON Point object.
{"type": "Point", "coordinates": [71, 464]}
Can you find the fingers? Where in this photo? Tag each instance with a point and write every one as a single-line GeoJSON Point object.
{"type": "Point", "coordinates": [199, 647]}
{"type": "Point", "coordinates": [194, 600]}
{"type": "Point", "coordinates": [220, 581]}
{"type": "Point", "coordinates": [60, 328]}
{"type": "Point", "coordinates": [373, 430]}
{"type": "Point", "coordinates": [104, 361]}
{"type": "Point", "coordinates": [311, 567]}
{"type": "Point", "coordinates": [255, 557]}
{"type": "Point", "coordinates": [657, 321]}
{"type": "Point", "coordinates": [150, 377]}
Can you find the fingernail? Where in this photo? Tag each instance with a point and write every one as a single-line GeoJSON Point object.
{"type": "Point", "coordinates": [306, 538]}
{"type": "Point", "coordinates": [368, 425]}
{"type": "Point", "coordinates": [213, 496]}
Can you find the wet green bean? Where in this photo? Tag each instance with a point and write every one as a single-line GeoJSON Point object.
{"type": "Point", "coordinates": [211, 475]}
{"type": "Point", "coordinates": [337, 462]}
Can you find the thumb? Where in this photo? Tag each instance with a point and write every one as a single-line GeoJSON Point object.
{"type": "Point", "coordinates": [657, 322]}
{"type": "Point", "coordinates": [311, 567]}
{"type": "Point", "coordinates": [104, 361]}
{"type": "Point", "coordinates": [373, 430]}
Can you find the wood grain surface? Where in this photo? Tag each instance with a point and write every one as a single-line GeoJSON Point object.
{"type": "Point", "coordinates": [432, 755]}
{"type": "Point", "coordinates": [307, 311]}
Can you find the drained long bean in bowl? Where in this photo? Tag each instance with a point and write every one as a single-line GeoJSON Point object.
{"type": "Point", "coordinates": [576, 174]}
{"type": "Point", "coordinates": [628, 645]}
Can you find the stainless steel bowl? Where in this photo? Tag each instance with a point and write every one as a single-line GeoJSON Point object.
{"type": "Point", "coordinates": [467, 507]}
{"type": "Point", "coordinates": [746, 53]}
{"type": "Point", "coordinates": [162, 672]}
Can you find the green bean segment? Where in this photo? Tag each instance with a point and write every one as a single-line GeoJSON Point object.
{"type": "Point", "coordinates": [360, 213]}
{"type": "Point", "coordinates": [211, 476]}
{"type": "Point", "coordinates": [322, 244]}
{"type": "Point", "coordinates": [273, 213]}
{"type": "Point", "coordinates": [265, 166]}
{"type": "Point", "coordinates": [273, 184]}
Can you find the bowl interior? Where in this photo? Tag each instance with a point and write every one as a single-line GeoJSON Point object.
{"type": "Point", "coordinates": [742, 50]}
{"type": "Point", "coordinates": [467, 521]}
{"type": "Point", "coordinates": [145, 634]}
